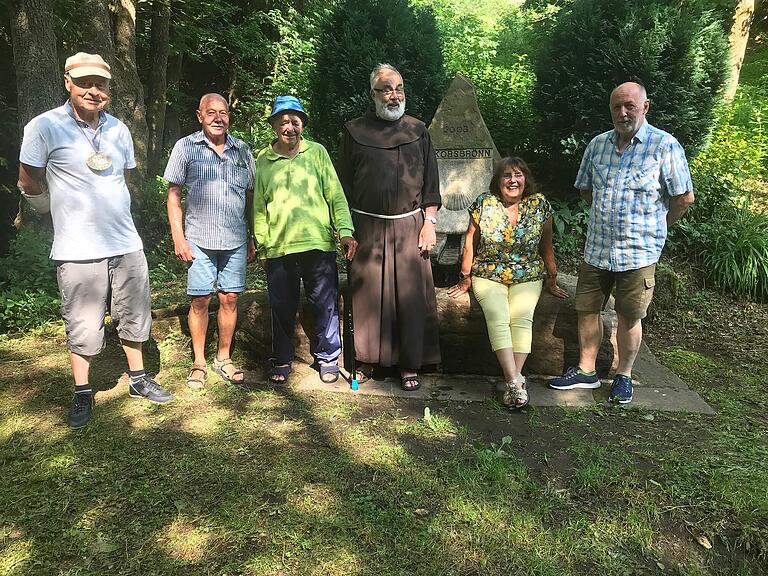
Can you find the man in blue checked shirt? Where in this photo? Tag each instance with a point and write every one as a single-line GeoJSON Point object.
{"type": "Point", "coordinates": [636, 179]}
{"type": "Point", "coordinates": [214, 240]}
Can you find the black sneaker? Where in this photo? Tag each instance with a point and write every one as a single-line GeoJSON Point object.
{"type": "Point", "coordinates": [149, 389]}
{"type": "Point", "coordinates": [81, 409]}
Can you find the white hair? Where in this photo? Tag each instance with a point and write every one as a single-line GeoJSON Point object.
{"type": "Point", "coordinates": [378, 69]}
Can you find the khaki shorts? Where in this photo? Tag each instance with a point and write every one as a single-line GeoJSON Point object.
{"type": "Point", "coordinates": [88, 289]}
{"type": "Point", "coordinates": [634, 290]}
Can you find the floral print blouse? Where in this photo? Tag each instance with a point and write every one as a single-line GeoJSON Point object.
{"type": "Point", "coordinates": [509, 254]}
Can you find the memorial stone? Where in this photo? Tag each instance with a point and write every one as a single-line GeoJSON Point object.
{"type": "Point", "coordinates": [466, 155]}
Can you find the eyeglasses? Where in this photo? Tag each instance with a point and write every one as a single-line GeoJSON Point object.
{"type": "Point", "coordinates": [387, 92]}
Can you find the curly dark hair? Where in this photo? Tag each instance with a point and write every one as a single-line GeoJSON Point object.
{"type": "Point", "coordinates": [513, 162]}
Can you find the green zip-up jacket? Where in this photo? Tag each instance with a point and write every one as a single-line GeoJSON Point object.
{"type": "Point", "coordinates": [298, 202]}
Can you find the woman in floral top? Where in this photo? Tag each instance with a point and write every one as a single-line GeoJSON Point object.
{"type": "Point", "coordinates": [507, 249]}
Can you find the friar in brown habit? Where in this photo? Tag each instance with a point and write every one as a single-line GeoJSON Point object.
{"type": "Point", "coordinates": [388, 169]}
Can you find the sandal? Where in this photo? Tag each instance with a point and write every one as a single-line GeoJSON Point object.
{"type": "Point", "coordinates": [278, 374]}
{"type": "Point", "coordinates": [196, 382]}
{"type": "Point", "coordinates": [362, 376]}
{"type": "Point", "coordinates": [219, 367]}
{"type": "Point", "coordinates": [410, 383]}
{"type": "Point", "coordinates": [329, 373]}
{"type": "Point", "coordinates": [515, 394]}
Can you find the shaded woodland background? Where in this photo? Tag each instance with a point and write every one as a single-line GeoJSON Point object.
{"type": "Point", "coordinates": [542, 72]}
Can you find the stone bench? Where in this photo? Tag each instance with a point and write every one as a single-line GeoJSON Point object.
{"type": "Point", "coordinates": [463, 336]}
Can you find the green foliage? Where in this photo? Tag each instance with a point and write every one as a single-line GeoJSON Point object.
{"type": "Point", "coordinates": [28, 292]}
{"type": "Point", "coordinates": [25, 308]}
{"type": "Point", "coordinates": [504, 97]}
{"type": "Point", "coordinates": [677, 50]}
{"type": "Point", "coordinates": [721, 231]}
{"type": "Point", "coordinates": [570, 225]}
{"type": "Point", "coordinates": [736, 258]}
{"type": "Point", "coordinates": [489, 44]}
{"type": "Point", "coordinates": [357, 36]}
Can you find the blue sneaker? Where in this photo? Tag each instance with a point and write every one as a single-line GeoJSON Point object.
{"type": "Point", "coordinates": [621, 389]}
{"type": "Point", "coordinates": [575, 378]}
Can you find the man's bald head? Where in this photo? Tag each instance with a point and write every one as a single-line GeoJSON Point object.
{"type": "Point", "coordinates": [213, 115]}
{"type": "Point", "coordinates": [212, 96]}
{"type": "Point", "coordinates": [629, 104]}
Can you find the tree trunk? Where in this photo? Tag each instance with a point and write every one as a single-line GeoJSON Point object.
{"type": "Point", "coordinates": [172, 129]}
{"type": "Point", "coordinates": [742, 20]}
{"type": "Point", "coordinates": [115, 42]}
{"type": "Point", "coordinates": [131, 89]}
{"type": "Point", "coordinates": [39, 81]}
{"type": "Point", "coordinates": [161, 16]}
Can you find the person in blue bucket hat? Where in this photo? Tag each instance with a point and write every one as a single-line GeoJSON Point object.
{"type": "Point", "coordinates": [298, 204]}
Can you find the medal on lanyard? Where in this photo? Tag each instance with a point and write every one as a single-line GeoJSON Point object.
{"type": "Point", "coordinates": [98, 161]}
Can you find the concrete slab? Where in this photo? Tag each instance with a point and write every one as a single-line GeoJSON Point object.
{"type": "Point", "coordinates": [457, 387]}
{"type": "Point", "coordinates": [656, 387]}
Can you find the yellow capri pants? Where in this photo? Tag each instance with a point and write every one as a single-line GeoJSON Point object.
{"type": "Point", "coordinates": [508, 311]}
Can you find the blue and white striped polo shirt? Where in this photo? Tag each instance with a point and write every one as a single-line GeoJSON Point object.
{"type": "Point", "coordinates": [630, 196]}
{"type": "Point", "coordinates": [216, 189]}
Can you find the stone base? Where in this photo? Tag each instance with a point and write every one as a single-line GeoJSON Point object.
{"type": "Point", "coordinates": [463, 335]}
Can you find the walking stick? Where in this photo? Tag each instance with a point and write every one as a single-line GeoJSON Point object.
{"type": "Point", "coordinates": [349, 337]}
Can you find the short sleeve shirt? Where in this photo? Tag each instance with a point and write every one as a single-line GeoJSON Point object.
{"type": "Point", "coordinates": [216, 189]}
{"type": "Point", "coordinates": [508, 253]}
{"type": "Point", "coordinates": [630, 196]}
{"type": "Point", "coordinates": [91, 210]}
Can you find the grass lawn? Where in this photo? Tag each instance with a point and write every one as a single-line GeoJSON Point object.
{"type": "Point", "coordinates": [263, 481]}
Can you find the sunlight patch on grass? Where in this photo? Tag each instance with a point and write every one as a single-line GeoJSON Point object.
{"type": "Point", "coordinates": [14, 555]}
{"type": "Point", "coordinates": [186, 541]}
{"type": "Point", "coordinates": [317, 499]}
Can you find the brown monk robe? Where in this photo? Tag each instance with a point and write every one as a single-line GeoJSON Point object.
{"type": "Point", "coordinates": [389, 168]}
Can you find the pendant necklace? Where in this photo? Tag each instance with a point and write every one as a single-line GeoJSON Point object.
{"type": "Point", "coordinates": [97, 161]}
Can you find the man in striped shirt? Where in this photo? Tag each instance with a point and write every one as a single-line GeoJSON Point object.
{"type": "Point", "coordinates": [636, 180]}
{"type": "Point", "coordinates": [215, 241]}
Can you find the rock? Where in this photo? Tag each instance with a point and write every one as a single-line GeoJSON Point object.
{"type": "Point", "coordinates": [463, 336]}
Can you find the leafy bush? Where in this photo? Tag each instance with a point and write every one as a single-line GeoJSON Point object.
{"type": "Point", "coordinates": [28, 291]}
{"type": "Point", "coordinates": [25, 308]}
{"type": "Point", "coordinates": [736, 258]}
{"type": "Point", "coordinates": [504, 95]}
{"type": "Point", "coordinates": [570, 225]}
{"type": "Point", "coordinates": [677, 50]}
{"type": "Point", "coordinates": [360, 34]}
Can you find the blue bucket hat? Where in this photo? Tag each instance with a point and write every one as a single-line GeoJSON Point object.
{"type": "Point", "coordinates": [283, 103]}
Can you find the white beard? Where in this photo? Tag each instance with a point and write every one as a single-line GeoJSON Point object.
{"type": "Point", "coordinates": [389, 115]}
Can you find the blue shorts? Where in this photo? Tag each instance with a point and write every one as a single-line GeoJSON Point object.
{"type": "Point", "coordinates": [212, 270]}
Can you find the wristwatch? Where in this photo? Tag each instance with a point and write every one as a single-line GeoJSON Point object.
{"type": "Point", "coordinates": [431, 219]}
{"type": "Point", "coordinates": [462, 275]}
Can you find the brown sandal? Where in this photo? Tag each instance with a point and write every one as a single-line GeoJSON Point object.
{"type": "Point", "coordinates": [220, 365]}
{"type": "Point", "coordinates": [196, 382]}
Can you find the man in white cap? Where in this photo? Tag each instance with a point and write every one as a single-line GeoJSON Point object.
{"type": "Point", "coordinates": [80, 155]}
{"type": "Point", "coordinates": [213, 237]}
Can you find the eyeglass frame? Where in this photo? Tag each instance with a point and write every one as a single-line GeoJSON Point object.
{"type": "Point", "coordinates": [387, 92]}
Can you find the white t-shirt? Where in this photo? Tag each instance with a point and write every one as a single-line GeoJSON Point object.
{"type": "Point", "coordinates": [91, 210]}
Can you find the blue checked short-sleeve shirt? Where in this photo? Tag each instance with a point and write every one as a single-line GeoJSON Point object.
{"type": "Point", "coordinates": [216, 188]}
{"type": "Point", "coordinates": [630, 196]}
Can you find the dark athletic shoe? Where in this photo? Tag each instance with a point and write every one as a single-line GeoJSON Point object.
{"type": "Point", "coordinates": [621, 389]}
{"type": "Point", "coordinates": [81, 409]}
{"type": "Point", "coordinates": [150, 390]}
{"type": "Point", "coordinates": [574, 378]}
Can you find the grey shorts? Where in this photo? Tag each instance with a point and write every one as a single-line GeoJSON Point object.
{"type": "Point", "coordinates": [88, 289]}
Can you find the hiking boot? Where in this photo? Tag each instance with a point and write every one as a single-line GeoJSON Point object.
{"type": "Point", "coordinates": [81, 409]}
{"type": "Point", "coordinates": [621, 389]}
{"type": "Point", "coordinates": [149, 389]}
{"type": "Point", "coordinates": [575, 378]}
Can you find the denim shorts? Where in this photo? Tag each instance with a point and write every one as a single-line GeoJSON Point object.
{"type": "Point", "coordinates": [211, 270]}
